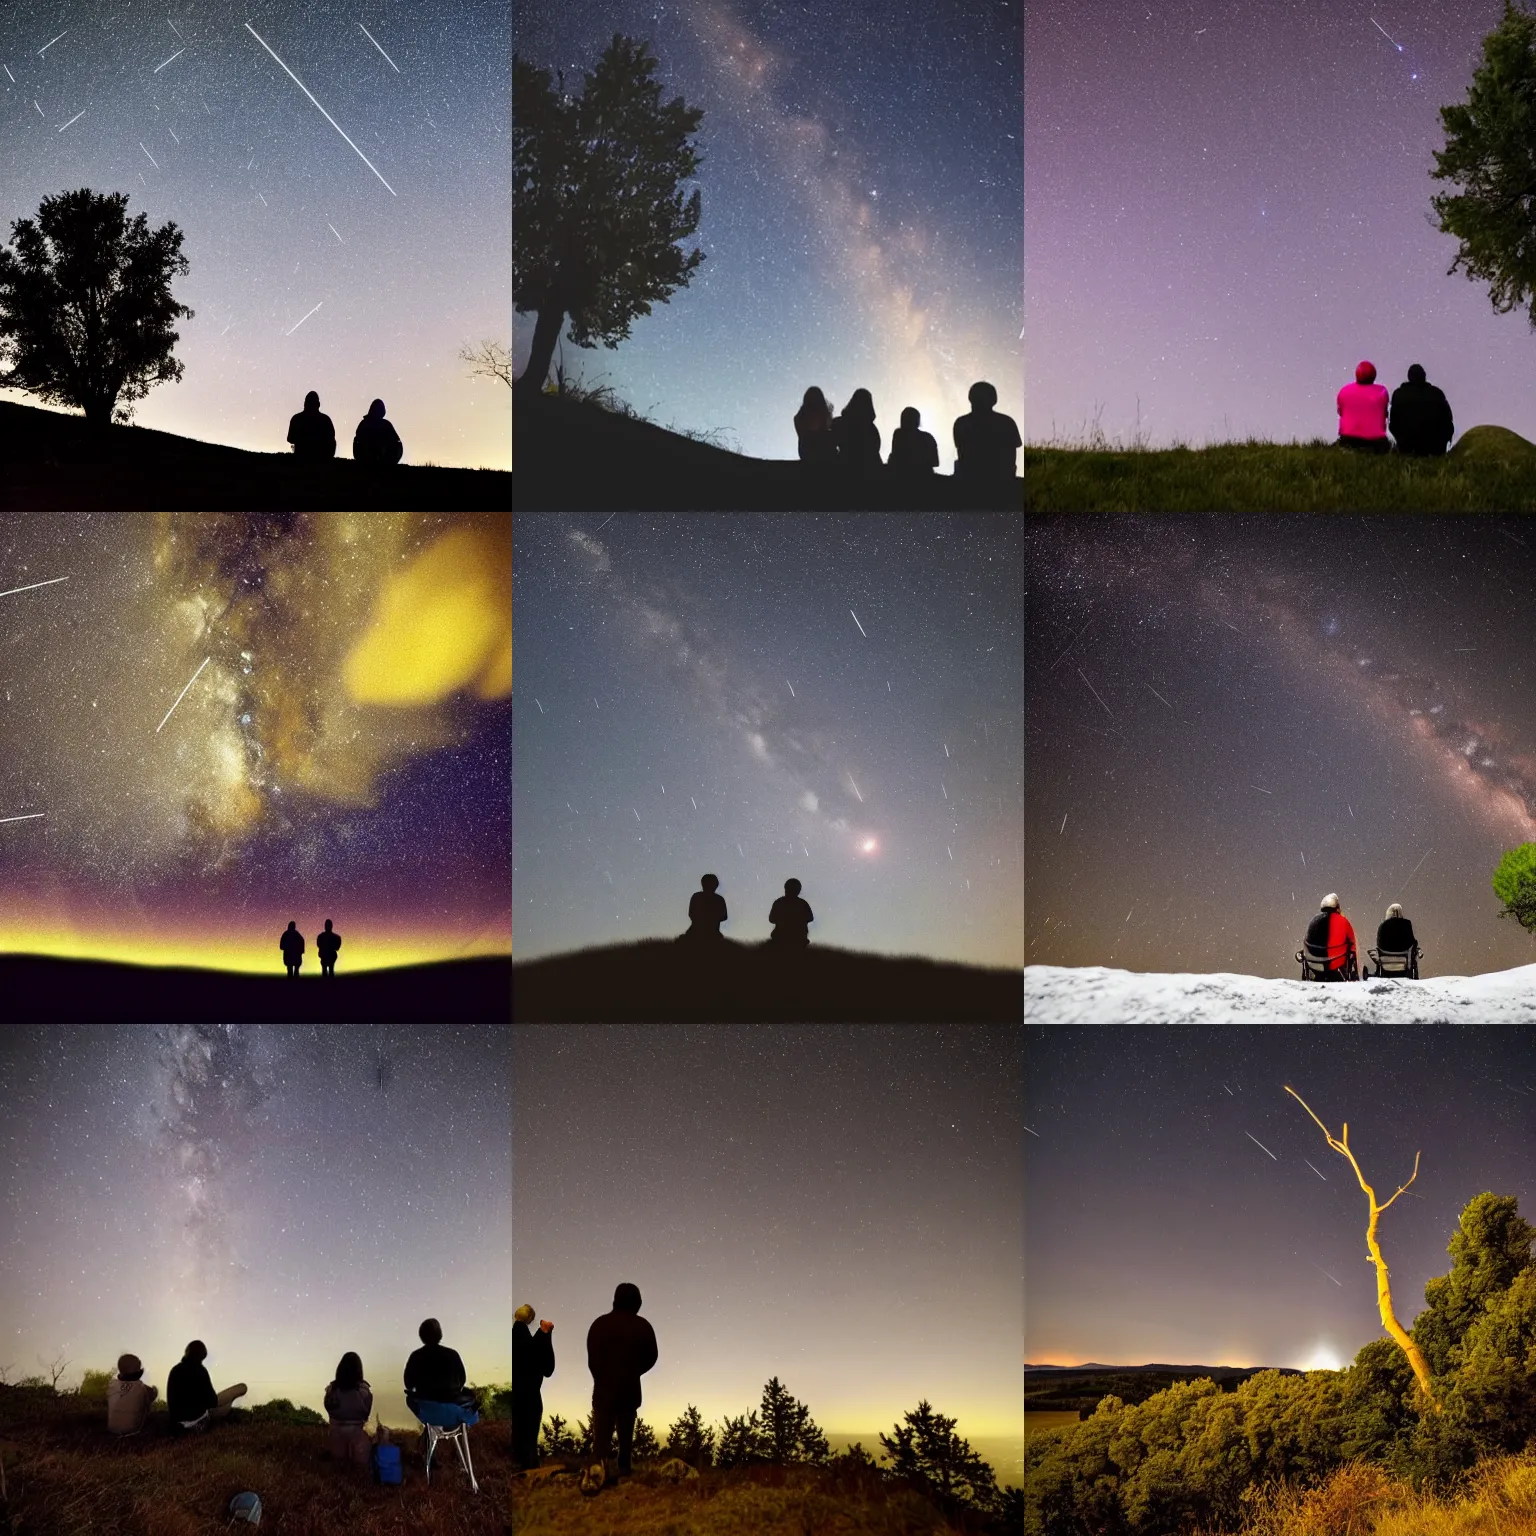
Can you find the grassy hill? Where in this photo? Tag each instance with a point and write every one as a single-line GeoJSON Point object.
{"type": "Point", "coordinates": [55, 462]}
{"type": "Point", "coordinates": [1490, 469]}
{"type": "Point", "coordinates": [574, 454]}
{"type": "Point", "coordinates": [662, 981]}
{"type": "Point", "coordinates": [1076, 1389]}
{"type": "Point", "coordinates": [65, 1476]}
{"type": "Point", "coordinates": [44, 989]}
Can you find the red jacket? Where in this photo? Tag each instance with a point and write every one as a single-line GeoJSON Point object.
{"type": "Point", "coordinates": [1332, 931]}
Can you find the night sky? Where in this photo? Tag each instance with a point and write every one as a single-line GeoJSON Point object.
{"type": "Point", "coordinates": [1230, 717]}
{"type": "Point", "coordinates": [1229, 208]}
{"type": "Point", "coordinates": [833, 698]}
{"type": "Point", "coordinates": [1157, 1231]}
{"type": "Point", "coordinates": [411, 260]}
{"type": "Point", "coordinates": [259, 1187]}
{"type": "Point", "coordinates": [213, 723]}
{"type": "Point", "coordinates": [839, 1206]}
{"type": "Point", "coordinates": [862, 190]}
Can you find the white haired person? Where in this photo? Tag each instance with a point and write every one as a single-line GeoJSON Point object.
{"type": "Point", "coordinates": [1396, 934]}
{"type": "Point", "coordinates": [533, 1358]}
{"type": "Point", "coordinates": [1332, 934]}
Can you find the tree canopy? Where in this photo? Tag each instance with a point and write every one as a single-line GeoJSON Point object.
{"type": "Point", "coordinates": [1514, 883]}
{"type": "Point", "coordinates": [598, 209]}
{"type": "Point", "coordinates": [86, 313]}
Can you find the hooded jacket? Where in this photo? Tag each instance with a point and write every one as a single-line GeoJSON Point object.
{"type": "Point", "coordinates": [1421, 417]}
{"type": "Point", "coordinates": [621, 1348]}
{"type": "Point", "coordinates": [533, 1358]}
{"type": "Point", "coordinates": [128, 1405]}
{"type": "Point", "coordinates": [349, 1407]}
{"type": "Point", "coordinates": [1330, 930]}
{"type": "Point", "coordinates": [189, 1393]}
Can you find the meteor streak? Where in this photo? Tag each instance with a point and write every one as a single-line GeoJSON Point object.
{"type": "Point", "coordinates": [856, 789]}
{"type": "Point", "coordinates": [1319, 1268]}
{"type": "Point", "coordinates": [946, 749]}
{"type": "Point", "coordinates": [172, 25]}
{"type": "Point", "coordinates": [35, 816]}
{"type": "Point", "coordinates": [35, 585]}
{"type": "Point", "coordinates": [152, 159]}
{"type": "Point", "coordinates": [861, 630]}
{"type": "Point", "coordinates": [1314, 1170]}
{"type": "Point", "coordinates": [7, 69]}
{"type": "Point", "coordinates": [634, 813]}
{"type": "Point", "coordinates": [694, 803]}
{"type": "Point", "coordinates": [75, 119]}
{"type": "Point", "coordinates": [372, 39]}
{"type": "Point", "coordinates": [1229, 1090]}
{"type": "Point", "coordinates": [158, 67]}
{"type": "Point", "coordinates": [49, 44]}
{"type": "Point", "coordinates": [541, 707]}
{"type": "Point", "coordinates": [180, 696]}
{"type": "Point", "coordinates": [326, 115]}
{"type": "Point", "coordinates": [1259, 1144]}
{"type": "Point", "coordinates": [1035, 1134]}
{"type": "Point", "coordinates": [790, 686]}
{"type": "Point", "coordinates": [306, 317]}
{"type": "Point", "coordinates": [168, 129]}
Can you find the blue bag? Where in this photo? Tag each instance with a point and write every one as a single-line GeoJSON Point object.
{"type": "Point", "coordinates": [386, 1464]}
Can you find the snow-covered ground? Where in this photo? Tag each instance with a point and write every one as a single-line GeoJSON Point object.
{"type": "Point", "coordinates": [1095, 994]}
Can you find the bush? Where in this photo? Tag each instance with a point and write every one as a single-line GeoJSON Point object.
{"type": "Point", "coordinates": [94, 1383]}
{"type": "Point", "coordinates": [281, 1411]}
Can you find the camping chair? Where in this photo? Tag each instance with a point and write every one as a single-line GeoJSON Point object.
{"type": "Point", "coordinates": [1315, 966]}
{"type": "Point", "coordinates": [447, 1421]}
{"type": "Point", "coordinates": [1396, 962]}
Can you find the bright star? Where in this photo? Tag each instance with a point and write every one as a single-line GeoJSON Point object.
{"type": "Point", "coordinates": [869, 845]}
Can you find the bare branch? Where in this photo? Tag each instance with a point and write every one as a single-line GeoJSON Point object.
{"type": "Point", "coordinates": [1402, 1187]}
{"type": "Point", "coordinates": [491, 361]}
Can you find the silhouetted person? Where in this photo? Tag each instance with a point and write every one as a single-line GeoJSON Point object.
{"type": "Point", "coordinates": [986, 441]}
{"type": "Point", "coordinates": [348, 1405]}
{"type": "Point", "coordinates": [189, 1396]}
{"type": "Point", "coordinates": [1420, 417]}
{"type": "Point", "coordinates": [533, 1358]}
{"type": "Point", "coordinates": [857, 436]}
{"type": "Point", "coordinates": [913, 451]}
{"type": "Point", "coordinates": [706, 911]}
{"type": "Point", "coordinates": [292, 945]}
{"type": "Point", "coordinates": [621, 1348]}
{"type": "Point", "coordinates": [311, 433]}
{"type": "Point", "coordinates": [128, 1399]}
{"type": "Point", "coordinates": [1396, 933]}
{"type": "Point", "coordinates": [326, 944]}
{"type": "Point", "coordinates": [434, 1373]}
{"type": "Point", "coordinates": [791, 916]}
{"type": "Point", "coordinates": [813, 429]}
{"type": "Point", "coordinates": [376, 442]}
{"type": "Point", "coordinates": [1362, 408]}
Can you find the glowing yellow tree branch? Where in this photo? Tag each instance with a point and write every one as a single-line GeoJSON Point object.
{"type": "Point", "coordinates": [1383, 1286]}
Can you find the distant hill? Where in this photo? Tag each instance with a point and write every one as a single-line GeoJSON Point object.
{"type": "Point", "coordinates": [1077, 1388]}
{"type": "Point", "coordinates": [44, 989]}
{"type": "Point", "coordinates": [55, 462]}
{"type": "Point", "coordinates": [574, 455]}
{"type": "Point", "coordinates": [662, 981]}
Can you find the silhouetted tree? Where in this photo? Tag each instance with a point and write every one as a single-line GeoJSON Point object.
{"type": "Point", "coordinates": [55, 1368]}
{"type": "Point", "coordinates": [597, 207]}
{"type": "Point", "coordinates": [741, 1442]}
{"type": "Point", "coordinates": [789, 1432]}
{"type": "Point", "coordinates": [1514, 883]}
{"type": "Point", "coordinates": [926, 1448]}
{"type": "Point", "coordinates": [645, 1447]}
{"type": "Point", "coordinates": [490, 360]}
{"type": "Point", "coordinates": [558, 1439]}
{"type": "Point", "coordinates": [1383, 1285]}
{"type": "Point", "coordinates": [691, 1440]}
{"type": "Point", "coordinates": [86, 313]}
{"type": "Point", "coordinates": [1490, 152]}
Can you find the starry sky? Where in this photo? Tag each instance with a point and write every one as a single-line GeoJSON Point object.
{"type": "Point", "coordinates": [1229, 207]}
{"type": "Point", "coordinates": [180, 106]}
{"type": "Point", "coordinates": [862, 190]}
{"type": "Point", "coordinates": [214, 723]}
{"type": "Point", "coordinates": [831, 698]}
{"type": "Point", "coordinates": [1229, 717]}
{"type": "Point", "coordinates": [1157, 1231]}
{"type": "Point", "coordinates": [258, 1187]}
{"type": "Point", "coordinates": [806, 1202]}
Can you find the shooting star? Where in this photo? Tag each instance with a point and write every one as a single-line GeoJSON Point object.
{"type": "Point", "coordinates": [633, 812]}
{"type": "Point", "coordinates": [946, 749]}
{"type": "Point", "coordinates": [1259, 1144]}
{"type": "Point", "coordinates": [541, 707]}
{"type": "Point", "coordinates": [1417, 867]}
{"type": "Point", "coordinates": [173, 133]}
{"type": "Point", "coordinates": [1314, 1170]}
{"type": "Point", "coordinates": [1262, 790]}
{"type": "Point", "coordinates": [790, 686]}
{"type": "Point", "coordinates": [1155, 694]}
{"type": "Point", "coordinates": [856, 789]}
{"type": "Point", "coordinates": [225, 331]}
{"type": "Point", "coordinates": [7, 69]}
{"type": "Point", "coordinates": [1319, 1268]}
{"type": "Point", "coordinates": [75, 119]}
{"type": "Point", "coordinates": [694, 803]}
{"type": "Point", "coordinates": [40, 111]}
{"type": "Point", "coordinates": [152, 159]}
{"type": "Point", "coordinates": [1035, 1134]}
{"type": "Point", "coordinates": [1303, 858]}
{"type": "Point", "coordinates": [158, 67]}
{"type": "Point", "coordinates": [806, 851]}
{"type": "Point", "coordinates": [174, 28]}
{"type": "Point", "coordinates": [335, 232]}
{"type": "Point", "coordinates": [1386, 34]}
{"type": "Point", "coordinates": [372, 39]}
{"type": "Point", "coordinates": [887, 687]}
{"type": "Point", "coordinates": [206, 107]}
{"type": "Point", "coordinates": [266, 204]}
{"type": "Point", "coordinates": [52, 581]}
{"type": "Point", "coordinates": [572, 809]}
{"type": "Point", "coordinates": [180, 696]}
{"type": "Point", "coordinates": [1095, 692]}
{"type": "Point", "coordinates": [49, 44]}
{"type": "Point", "coordinates": [326, 115]}
{"type": "Point", "coordinates": [663, 786]}
{"type": "Point", "coordinates": [1229, 1090]}
{"type": "Point", "coordinates": [35, 816]}
{"type": "Point", "coordinates": [1350, 809]}
{"type": "Point", "coordinates": [861, 630]}
{"type": "Point", "coordinates": [306, 317]}
{"type": "Point", "coordinates": [1063, 827]}
{"type": "Point", "coordinates": [950, 851]}
{"type": "Point", "coordinates": [738, 850]}
{"type": "Point", "coordinates": [944, 791]}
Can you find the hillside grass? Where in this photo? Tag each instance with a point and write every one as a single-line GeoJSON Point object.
{"type": "Point", "coordinates": [65, 1476]}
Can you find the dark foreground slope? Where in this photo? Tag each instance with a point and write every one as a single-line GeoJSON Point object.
{"type": "Point", "coordinates": [576, 456]}
{"type": "Point", "coordinates": [52, 462]}
{"type": "Point", "coordinates": [662, 981]}
{"type": "Point", "coordinates": [39, 988]}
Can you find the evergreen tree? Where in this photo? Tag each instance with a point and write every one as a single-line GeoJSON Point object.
{"type": "Point", "coordinates": [86, 312]}
{"type": "Point", "coordinates": [645, 1447]}
{"type": "Point", "coordinates": [691, 1441]}
{"type": "Point", "coordinates": [1514, 883]}
{"type": "Point", "coordinates": [926, 1448]}
{"type": "Point", "coordinates": [789, 1432]}
{"type": "Point", "coordinates": [1490, 153]}
{"type": "Point", "coordinates": [741, 1442]}
{"type": "Point", "coordinates": [598, 206]}
{"type": "Point", "coordinates": [558, 1439]}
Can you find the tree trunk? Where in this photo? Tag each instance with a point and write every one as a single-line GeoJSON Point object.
{"type": "Point", "coordinates": [545, 334]}
{"type": "Point", "coordinates": [98, 413]}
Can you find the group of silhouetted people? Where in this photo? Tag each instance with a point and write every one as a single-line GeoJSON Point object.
{"type": "Point", "coordinates": [986, 441]}
{"type": "Point", "coordinates": [1417, 414]}
{"type": "Point", "coordinates": [790, 915]}
{"type": "Point", "coordinates": [291, 942]}
{"type": "Point", "coordinates": [375, 442]}
{"type": "Point", "coordinates": [621, 1348]}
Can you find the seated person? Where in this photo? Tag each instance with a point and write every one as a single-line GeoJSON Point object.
{"type": "Point", "coordinates": [311, 432]}
{"type": "Point", "coordinates": [128, 1399]}
{"type": "Point", "coordinates": [1362, 408]}
{"type": "Point", "coordinates": [791, 916]}
{"type": "Point", "coordinates": [376, 442]}
{"type": "Point", "coordinates": [1331, 934]}
{"type": "Point", "coordinates": [189, 1395]}
{"type": "Point", "coordinates": [912, 450]}
{"type": "Point", "coordinates": [1420, 417]}
{"type": "Point", "coordinates": [706, 910]}
{"type": "Point", "coordinates": [986, 441]}
{"type": "Point", "coordinates": [348, 1404]}
{"type": "Point", "coordinates": [435, 1373]}
{"type": "Point", "coordinates": [1396, 934]}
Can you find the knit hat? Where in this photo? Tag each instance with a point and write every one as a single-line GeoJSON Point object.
{"type": "Point", "coordinates": [524, 1314]}
{"type": "Point", "coordinates": [1365, 373]}
{"type": "Point", "coordinates": [1330, 900]}
{"type": "Point", "coordinates": [1416, 373]}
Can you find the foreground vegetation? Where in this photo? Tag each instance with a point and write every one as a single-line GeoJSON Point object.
{"type": "Point", "coordinates": [1193, 1458]}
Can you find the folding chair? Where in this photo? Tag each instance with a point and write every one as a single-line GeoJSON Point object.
{"type": "Point", "coordinates": [447, 1421]}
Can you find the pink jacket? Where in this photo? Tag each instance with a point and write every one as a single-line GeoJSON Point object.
{"type": "Point", "coordinates": [1363, 410]}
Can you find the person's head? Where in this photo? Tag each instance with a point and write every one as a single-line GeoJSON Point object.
{"type": "Point", "coordinates": [910, 417]}
{"type": "Point", "coordinates": [327, 925]}
{"type": "Point", "coordinates": [292, 925]}
{"type": "Point", "coordinates": [129, 1368]}
{"type": "Point", "coordinates": [1416, 373]}
{"type": "Point", "coordinates": [791, 887]}
{"type": "Point", "coordinates": [196, 1350]}
{"type": "Point", "coordinates": [1395, 910]}
{"type": "Point", "coordinates": [430, 1332]}
{"type": "Point", "coordinates": [524, 1314]}
{"type": "Point", "coordinates": [311, 401]}
{"type": "Point", "coordinates": [1329, 903]}
{"type": "Point", "coordinates": [814, 400]}
{"type": "Point", "coordinates": [1365, 373]}
{"type": "Point", "coordinates": [860, 404]}
{"type": "Point", "coordinates": [376, 410]}
{"type": "Point", "coordinates": [710, 882]}
{"type": "Point", "coordinates": [349, 1371]}
{"type": "Point", "coordinates": [626, 1297]}
{"type": "Point", "coordinates": [982, 396]}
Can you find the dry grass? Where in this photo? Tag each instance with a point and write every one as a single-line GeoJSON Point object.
{"type": "Point", "coordinates": [64, 1476]}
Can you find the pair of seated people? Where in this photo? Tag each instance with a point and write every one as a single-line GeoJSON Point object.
{"type": "Point", "coordinates": [1418, 415]}
{"type": "Point", "coordinates": [190, 1400]}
